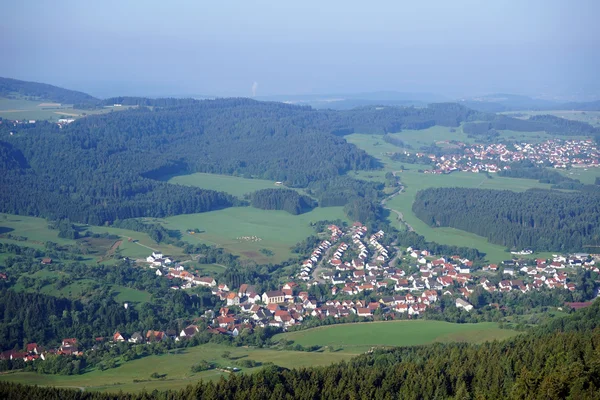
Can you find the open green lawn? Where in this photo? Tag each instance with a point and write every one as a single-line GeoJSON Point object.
{"type": "Point", "coordinates": [230, 228]}
{"type": "Point", "coordinates": [360, 337]}
{"type": "Point", "coordinates": [414, 181]}
{"type": "Point", "coordinates": [177, 368]}
{"type": "Point", "coordinates": [234, 185]}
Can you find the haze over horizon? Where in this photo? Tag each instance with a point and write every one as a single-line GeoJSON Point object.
{"type": "Point", "coordinates": [464, 48]}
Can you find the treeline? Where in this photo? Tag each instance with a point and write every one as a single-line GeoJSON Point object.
{"type": "Point", "coordinates": [555, 365]}
{"type": "Point", "coordinates": [282, 199]}
{"type": "Point", "coordinates": [536, 219]}
{"type": "Point", "coordinates": [547, 123]}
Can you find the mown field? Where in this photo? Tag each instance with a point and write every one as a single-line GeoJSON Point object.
{"type": "Point", "coordinates": [360, 337]}
{"type": "Point", "coordinates": [414, 181]}
{"type": "Point", "coordinates": [247, 230]}
{"type": "Point", "coordinates": [177, 368]}
{"type": "Point", "coordinates": [234, 185]}
{"type": "Point", "coordinates": [20, 109]}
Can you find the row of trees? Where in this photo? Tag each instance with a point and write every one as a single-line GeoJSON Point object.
{"type": "Point", "coordinates": [536, 219]}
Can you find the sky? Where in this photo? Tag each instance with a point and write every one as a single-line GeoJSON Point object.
{"type": "Point", "coordinates": [458, 48]}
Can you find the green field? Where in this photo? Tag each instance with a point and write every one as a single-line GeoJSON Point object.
{"type": "Point", "coordinates": [414, 181]}
{"type": "Point", "coordinates": [176, 367]}
{"type": "Point", "coordinates": [37, 233]}
{"type": "Point", "coordinates": [20, 109]}
{"type": "Point", "coordinates": [234, 185]}
{"type": "Point", "coordinates": [585, 175]}
{"type": "Point", "coordinates": [360, 337]}
{"type": "Point", "coordinates": [278, 230]}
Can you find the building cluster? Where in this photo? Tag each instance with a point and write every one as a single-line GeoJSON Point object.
{"type": "Point", "coordinates": [495, 157]}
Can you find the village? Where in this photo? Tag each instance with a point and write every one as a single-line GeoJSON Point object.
{"type": "Point", "coordinates": [364, 279]}
{"type": "Point", "coordinates": [495, 157]}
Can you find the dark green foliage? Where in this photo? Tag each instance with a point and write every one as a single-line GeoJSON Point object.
{"type": "Point", "coordinates": [41, 91]}
{"type": "Point", "coordinates": [363, 210]}
{"type": "Point", "coordinates": [536, 219]}
{"type": "Point", "coordinates": [281, 199]}
{"type": "Point", "coordinates": [341, 190]}
{"type": "Point", "coordinates": [102, 168]}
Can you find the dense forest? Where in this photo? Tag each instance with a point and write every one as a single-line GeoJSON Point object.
{"type": "Point", "coordinates": [107, 167]}
{"type": "Point", "coordinates": [536, 219]}
{"type": "Point", "coordinates": [555, 361]}
{"type": "Point", "coordinates": [282, 199]}
{"type": "Point", "coordinates": [42, 91]}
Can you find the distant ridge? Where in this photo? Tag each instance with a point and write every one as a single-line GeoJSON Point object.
{"type": "Point", "coordinates": [14, 88]}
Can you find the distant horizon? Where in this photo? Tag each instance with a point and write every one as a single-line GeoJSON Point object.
{"type": "Point", "coordinates": [540, 48]}
{"type": "Point", "coordinates": [347, 95]}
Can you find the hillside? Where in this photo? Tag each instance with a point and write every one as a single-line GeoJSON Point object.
{"type": "Point", "coordinates": [14, 88]}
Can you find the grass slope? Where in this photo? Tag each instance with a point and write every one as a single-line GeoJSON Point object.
{"type": "Point", "coordinates": [278, 230]}
{"type": "Point", "coordinates": [37, 233]}
{"type": "Point", "coordinates": [177, 368]}
{"type": "Point", "coordinates": [360, 337]}
{"type": "Point", "coordinates": [234, 185]}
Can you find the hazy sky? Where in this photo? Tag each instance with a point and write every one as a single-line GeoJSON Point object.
{"type": "Point", "coordinates": [452, 47]}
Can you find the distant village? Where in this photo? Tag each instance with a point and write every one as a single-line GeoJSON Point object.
{"type": "Point", "coordinates": [554, 153]}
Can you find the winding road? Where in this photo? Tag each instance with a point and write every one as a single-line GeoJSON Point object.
{"type": "Point", "coordinates": [398, 213]}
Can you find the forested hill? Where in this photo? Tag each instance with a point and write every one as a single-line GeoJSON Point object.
{"type": "Point", "coordinates": [556, 361]}
{"type": "Point", "coordinates": [42, 91]}
{"type": "Point", "coordinates": [536, 219]}
{"type": "Point", "coordinates": [106, 167]}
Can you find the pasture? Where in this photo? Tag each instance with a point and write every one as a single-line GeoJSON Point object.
{"type": "Point", "coordinates": [246, 230]}
{"type": "Point", "coordinates": [177, 367]}
{"type": "Point", "coordinates": [22, 109]}
{"type": "Point", "coordinates": [234, 185]}
{"type": "Point", "coordinates": [360, 337]}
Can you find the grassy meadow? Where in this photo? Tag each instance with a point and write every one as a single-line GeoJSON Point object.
{"type": "Point", "coordinates": [360, 337]}
{"type": "Point", "coordinates": [234, 229]}
{"type": "Point", "coordinates": [37, 233]}
{"type": "Point", "coordinates": [585, 175]}
{"type": "Point", "coordinates": [177, 368]}
{"type": "Point", "coordinates": [233, 185]}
